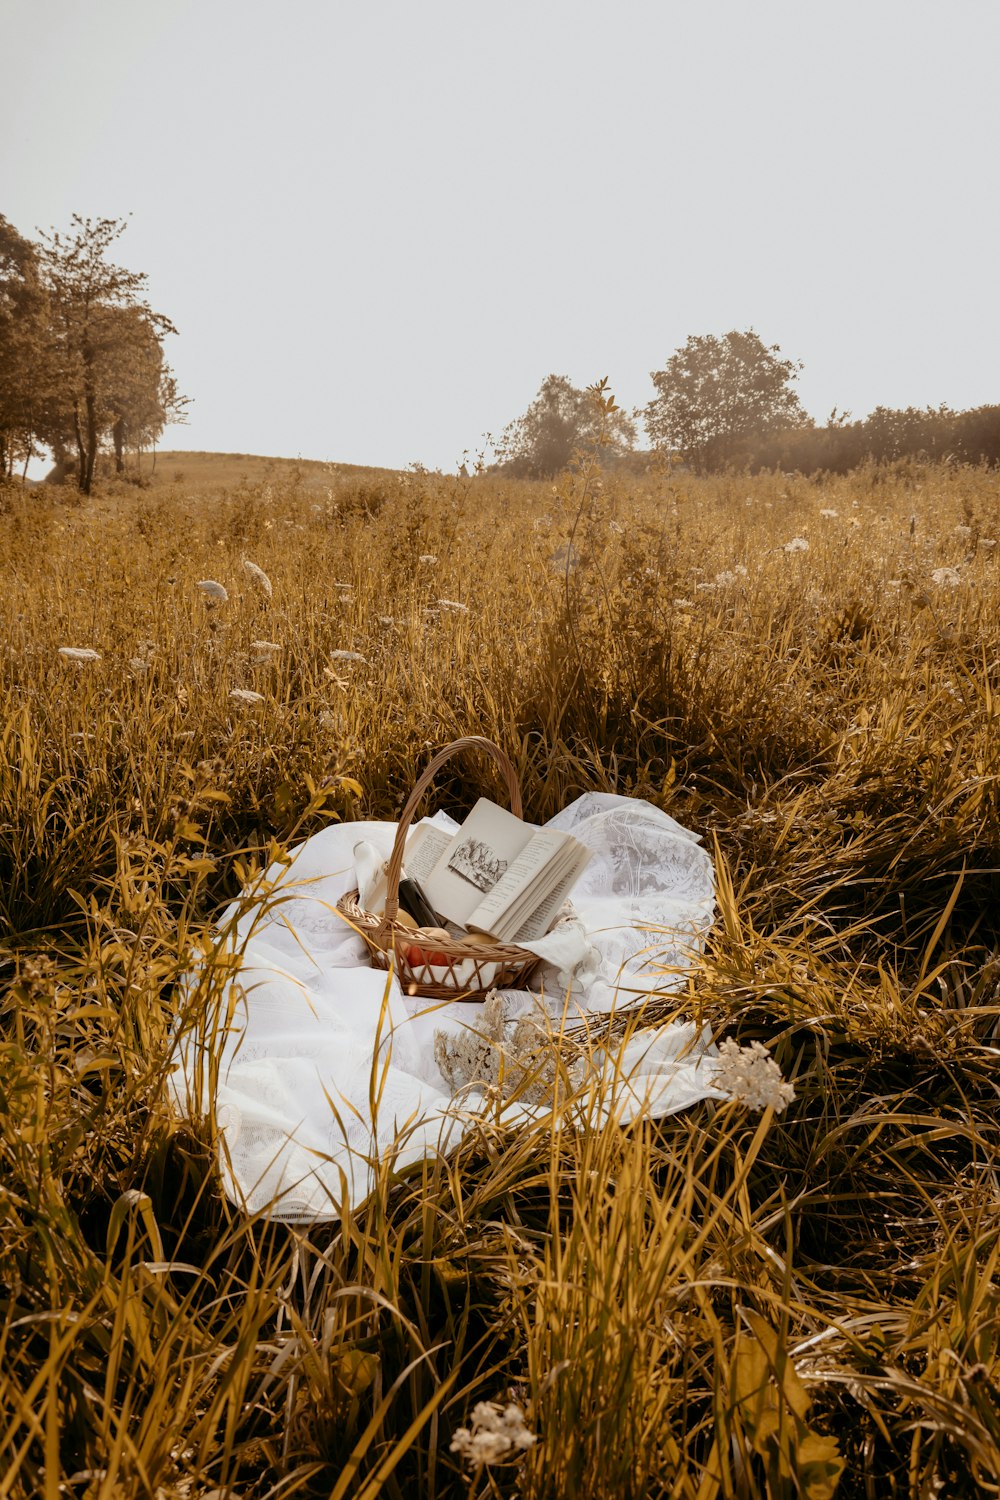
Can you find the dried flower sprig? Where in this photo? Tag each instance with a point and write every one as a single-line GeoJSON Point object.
{"type": "Point", "coordinates": [751, 1076]}
{"type": "Point", "coordinates": [497, 1432]}
{"type": "Point", "coordinates": [259, 577]}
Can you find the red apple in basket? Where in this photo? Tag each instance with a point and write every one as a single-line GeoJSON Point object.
{"type": "Point", "coordinates": [417, 955]}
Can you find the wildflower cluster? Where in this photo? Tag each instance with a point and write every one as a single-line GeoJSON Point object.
{"type": "Point", "coordinates": [497, 1432]}
{"type": "Point", "coordinates": [259, 577]}
{"type": "Point", "coordinates": [215, 592]}
{"type": "Point", "coordinates": [79, 654]}
{"type": "Point", "coordinates": [751, 1076]}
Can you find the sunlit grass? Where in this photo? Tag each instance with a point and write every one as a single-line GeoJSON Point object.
{"type": "Point", "coordinates": [716, 1304]}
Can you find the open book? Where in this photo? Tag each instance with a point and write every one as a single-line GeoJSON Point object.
{"type": "Point", "coordinates": [497, 874]}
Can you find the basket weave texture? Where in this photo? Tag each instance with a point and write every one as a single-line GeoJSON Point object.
{"type": "Point", "coordinates": [470, 970]}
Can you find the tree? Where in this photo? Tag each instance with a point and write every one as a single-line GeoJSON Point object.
{"type": "Point", "coordinates": [107, 347]}
{"type": "Point", "coordinates": [137, 383]}
{"type": "Point", "coordinates": [716, 396]}
{"type": "Point", "coordinates": [24, 347]}
{"type": "Point", "coordinates": [560, 421]}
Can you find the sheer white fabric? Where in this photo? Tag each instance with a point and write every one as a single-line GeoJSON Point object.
{"type": "Point", "coordinates": [321, 1064]}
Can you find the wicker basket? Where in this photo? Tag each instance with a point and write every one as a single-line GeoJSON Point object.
{"type": "Point", "coordinates": [471, 970]}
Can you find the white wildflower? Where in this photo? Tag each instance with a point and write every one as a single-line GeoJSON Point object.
{"type": "Point", "coordinates": [963, 531]}
{"type": "Point", "coordinates": [946, 577]}
{"type": "Point", "coordinates": [386, 619]}
{"type": "Point", "coordinates": [988, 542]}
{"type": "Point", "coordinates": [454, 605]}
{"type": "Point", "coordinates": [797, 544]}
{"type": "Point", "coordinates": [259, 576]}
{"type": "Point", "coordinates": [428, 559]}
{"type": "Point", "coordinates": [327, 719]}
{"type": "Point", "coordinates": [347, 656]}
{"type": "Point", "coordinates": [725, 578]}
{"type": "Point", "coordinates": [751, 1075]}
{"type": "Point", "coordinates": [740, 570]}
{"type": "Point", "coordinates": [496, 1432]}
{"type": "Point", "coordinates": [139, 665]}
{"type": "Point", "coordinates": [829, 513]}
{"type": "Point", "coordinates": [79, 654]}
{"type": "Point", "coordinates": [246, 695]}
{"type": "Point", "coordinates": [215, 592]}
{"type": "Point", "coordinates": [684, 604]}
{"type": "Point", "coordinates": [705, 588]}
{"type": "Point", "coordinates": [264, 652]}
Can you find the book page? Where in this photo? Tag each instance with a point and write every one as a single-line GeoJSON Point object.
{"type": "Point", "coordinates": [424, 848]}
{"type": "Point", "coordinates": [530, 897]}
{"type": "Point", "coordinates": [475, 859]}
{"type": "Point", "coordinates": [541, 919]}
{"type": "Point", "coordinates": [521, 875]}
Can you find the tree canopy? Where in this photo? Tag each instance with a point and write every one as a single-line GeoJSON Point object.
{"type": "Point", "coordinates": [716, 395]}
{"type": "Point", "coordinates": [563, 420]}
{"type": "Point", "coordinates": [81, 351]}
{"type": "Point", "coordinates": [25, 375]}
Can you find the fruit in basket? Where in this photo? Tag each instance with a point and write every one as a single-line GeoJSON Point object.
{"type": "Point", "coordinates": [405, 920]}
{"type": "Point", "coordinates": [481, 939]}
{"type": "Point", "coordinates": [424, 952]}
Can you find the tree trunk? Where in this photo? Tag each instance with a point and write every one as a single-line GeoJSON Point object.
{"type": "Point", "coordinates": [81, 461]}
{"type": "Point", "coordinates": [91, 442]}
{"type": "Point", "coordinates": [60, 463]}
{"type": "Point", "coordinates": [118, 433]}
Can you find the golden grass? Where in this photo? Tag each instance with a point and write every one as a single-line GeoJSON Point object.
{"type": "Point", "coordinates": [706, 1306]}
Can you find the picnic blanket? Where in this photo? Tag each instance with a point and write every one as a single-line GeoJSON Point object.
{"type": "Point", "coordinates": [317, 1064]}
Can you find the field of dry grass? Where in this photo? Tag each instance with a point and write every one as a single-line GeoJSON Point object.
{"type": "Point", "coordinates": [719, 1304]}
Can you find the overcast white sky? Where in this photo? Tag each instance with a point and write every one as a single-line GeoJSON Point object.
{"type": "Point", "coordinates": [378, 225]}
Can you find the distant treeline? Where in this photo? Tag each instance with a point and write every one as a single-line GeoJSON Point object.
{"type": "Point", "coordinates": [729, 403]}
{"type": "Point", "coordinates": [933, 436]}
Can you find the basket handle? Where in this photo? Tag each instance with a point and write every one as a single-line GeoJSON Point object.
{"type": "Point", "coordinates": [470, 742]}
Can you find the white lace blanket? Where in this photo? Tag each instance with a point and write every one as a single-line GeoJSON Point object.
{"type": "Point", "coordinates": [323, 1064]}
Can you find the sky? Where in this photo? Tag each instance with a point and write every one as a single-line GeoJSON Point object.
{"type": "Point", "coordinates": [379, 225]}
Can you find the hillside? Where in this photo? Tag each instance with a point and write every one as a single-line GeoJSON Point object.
{"type": "Point", "coordinates": [203, 474]}
{"type": "Point", "coordinates": [211, 472]}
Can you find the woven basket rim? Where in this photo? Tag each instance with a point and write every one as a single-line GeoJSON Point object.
{"type": "Point", "coordinates": [379, 927]}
